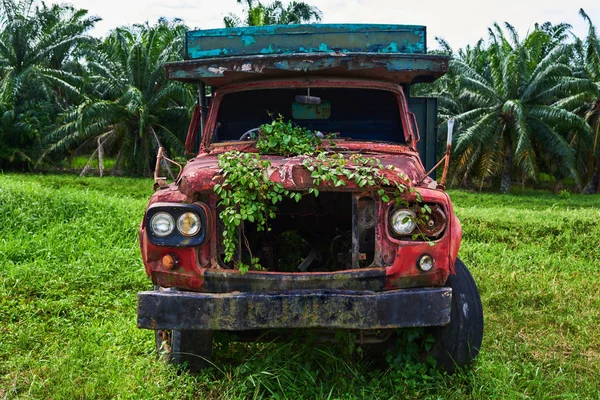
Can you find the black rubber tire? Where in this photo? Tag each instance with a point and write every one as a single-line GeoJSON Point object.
{"type": "Point", "coordinates": [458, 342]}
{"type": "Point", "coordinates": [190, 349]}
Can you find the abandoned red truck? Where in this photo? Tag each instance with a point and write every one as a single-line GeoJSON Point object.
{"type": "Point", "coordinates": [353, 233]}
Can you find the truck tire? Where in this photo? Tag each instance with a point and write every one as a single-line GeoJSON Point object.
{"type": "Point", "coordinates": [190, 349]}
{"type": "Point", "coordinates": [458, 342]}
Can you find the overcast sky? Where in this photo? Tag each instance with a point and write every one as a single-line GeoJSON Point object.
{"type": "Point", "coordinates": [460, 22]}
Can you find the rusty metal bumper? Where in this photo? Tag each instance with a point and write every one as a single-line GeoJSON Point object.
{"type": "Point", "coordinates": [294, 309]}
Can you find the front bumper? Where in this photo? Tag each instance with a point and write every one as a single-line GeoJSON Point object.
{"type": "Point", "coordinates": [341, 309]}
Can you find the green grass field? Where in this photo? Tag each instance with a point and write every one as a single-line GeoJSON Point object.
{"type": "Point", "coordinates": [70, 269]}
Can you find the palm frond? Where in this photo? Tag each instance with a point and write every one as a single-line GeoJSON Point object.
{"type": "Point", "coordinates": [544, 79]}
{"type": "Point", "coordinates": [559, 118]}
{"type": "Point", "coordinates": [477, 133]}
{"type": "Point", "coordinates": [555, 144]}
{"type": "Point", "coordinates": [574, 102]}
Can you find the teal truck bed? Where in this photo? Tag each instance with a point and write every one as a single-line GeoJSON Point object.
{"type": "Point", "coordinates": [290, 39]}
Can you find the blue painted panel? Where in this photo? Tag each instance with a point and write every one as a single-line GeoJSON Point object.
{"type": "Point", "coordinates": [314, 38]}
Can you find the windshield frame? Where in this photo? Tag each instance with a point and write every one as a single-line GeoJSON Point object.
{"type": "Point", "coordinates": [303, 83]}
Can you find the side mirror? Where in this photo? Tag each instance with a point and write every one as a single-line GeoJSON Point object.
{"type": "Point", "coordinates": [450, 130]}
{"type": "Point", "coordinates": [448, 147]}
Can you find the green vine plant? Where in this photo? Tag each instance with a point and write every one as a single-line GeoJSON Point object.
{"type": "Point", "coordinates": [247, 194]}
{"type": "Point", "coordinates": [284, 138]}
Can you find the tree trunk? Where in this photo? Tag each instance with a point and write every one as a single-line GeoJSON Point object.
{"type": "Point", "coordinates": [558, 187]}
{"type": "Point", "coordinates": [117, 161]}
{"type": "Point", "coordinates": [508, 161]}
{"type": "Point", "coordinates": [100, 157]}
{"type": "Point", "coordinates": [594, 183]}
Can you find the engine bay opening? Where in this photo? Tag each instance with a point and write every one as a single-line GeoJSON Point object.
{"type": "Point", "coordinates": [334, 231]}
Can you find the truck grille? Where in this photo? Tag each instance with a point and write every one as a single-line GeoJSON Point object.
{"type": "Point", "coordinates": [332, 232]}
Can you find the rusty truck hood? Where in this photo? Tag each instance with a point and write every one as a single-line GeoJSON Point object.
{"type": "Point", "coordinates": [199, 173]}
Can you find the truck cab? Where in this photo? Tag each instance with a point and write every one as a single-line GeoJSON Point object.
{"type": "Point", "coordinates": [359, 236]}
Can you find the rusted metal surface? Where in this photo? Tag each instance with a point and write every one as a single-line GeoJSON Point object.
{"type": "Point", "coordinates": [294, 309]}
{"type": "Point", "coordinates": [322, 110]}
{"type": "Point", "coordinates": [395, 53]}
{"type": "Point", "coordinates": [200, 173]}
{"type": "Point", "coordinates": [201, 271]}
{"type": "Point", "coordinates": [313, 38]}
{"type": "Point", "coordinates": [393, 263]}
{"type": "Point", "coordinates": [224, 281]}
{"type": "Point", "coordinates": [395, 68]}
{"type": "Point", "coordinates": [425, 110]}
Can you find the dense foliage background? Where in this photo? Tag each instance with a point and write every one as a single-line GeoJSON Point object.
{"type": "Point", "coordinates": [527, 109]}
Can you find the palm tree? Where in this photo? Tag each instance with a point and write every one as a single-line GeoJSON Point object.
{"type": "Point", "coordinates": [275, 13]}
{"type": "Point", "coordinates": [35, 42]}
{"type": "Point", "coordinates": [135, 109]}
{"type": "Point", "coordinates": [511, 117]}
{"type": "Point", "coordinates": [588, 147]}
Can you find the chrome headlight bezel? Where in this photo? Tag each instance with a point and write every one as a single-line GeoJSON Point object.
{"type": "Point", "coordinates": [176, 238]}
{"type": "Point", "coordinates": [168, 219]}
{"type": "Point", "coordinates": [187, 228]}
{"type": "Point", "coordinates": [429, 224]}
{"type": "Point", "coordinates": [402, 222]}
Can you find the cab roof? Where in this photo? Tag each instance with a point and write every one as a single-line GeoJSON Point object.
{"type": "Point", "coordinates": [395, 53]}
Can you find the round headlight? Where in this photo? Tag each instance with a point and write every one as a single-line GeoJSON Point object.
{"type": "Point", "coordinates": [425, 263]}
{"type": "Point", "coordinates": [403, 222]}
{"type": "Point", "coordinates": [189, 224]}
{"type": "Point", "coordinates": [162, 224]}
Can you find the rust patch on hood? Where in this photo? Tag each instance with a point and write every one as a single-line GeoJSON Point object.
{"type": "Point", "coordinates": [199, 173]}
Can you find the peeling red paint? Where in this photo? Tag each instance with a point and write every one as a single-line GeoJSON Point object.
{"type": "Point", "coordinates": [199, 174]}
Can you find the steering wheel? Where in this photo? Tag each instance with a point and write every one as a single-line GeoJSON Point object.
{"type": "Point", "coordinates": [248, 134]}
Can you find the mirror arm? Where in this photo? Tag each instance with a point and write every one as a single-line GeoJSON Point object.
{"type": "Point", "coordinates": [445, 159]}
{"type": "Point", "coordinates": [161, 182]}
{"type": "Point", "coordinates": [446, 164]}
{"type": "Point", "coordinates": [430, 171]}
